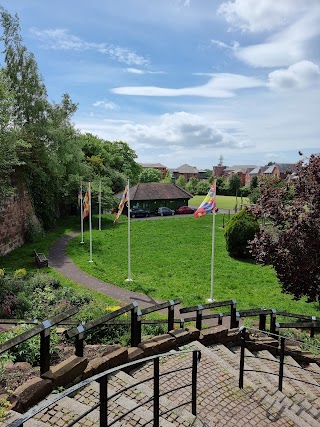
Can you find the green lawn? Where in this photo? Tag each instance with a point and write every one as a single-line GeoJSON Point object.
{"type": "Point", "coordinates": [223, 202]}
{"type": "Point", "coordinates": [170, 258]}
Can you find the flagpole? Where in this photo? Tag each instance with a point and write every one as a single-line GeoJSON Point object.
{"type": "Point", "coordinates": [90, 221]}
{"type": "Point", "coordinates": [81, 211]}
{"type": "Point", "coordinates": [212, 257]}
{"type": "Point", "coordinates": [129, 242]}
{"type": "Point", "coordinates": [100, 205]}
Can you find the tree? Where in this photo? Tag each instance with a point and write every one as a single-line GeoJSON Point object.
{"type": "Point", "coordinates": [241, 228]}
{"type": "Point", "coordinates": [292, 245]}
{"type": "Point", "coordinates": [234, 184]}
{"type": "Point", "coordinates": [167, 178]}
{"type": "Point", "coordinates": [191, 185]}
{"type": "Point", "coordinates": [150, 175]}
{"type": "Point", "coordinates": [203, 187]}
{"type": "Point", "coordinates": [181, 181]}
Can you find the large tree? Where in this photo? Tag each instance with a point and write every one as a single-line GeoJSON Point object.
{"type": "Point", "coordinates": [292, 244]}
{"type": "Point", "coordinates": [150, 175]}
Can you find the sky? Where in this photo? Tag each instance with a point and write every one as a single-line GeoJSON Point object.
{"type": "Point", "coordinates": [184, 81]}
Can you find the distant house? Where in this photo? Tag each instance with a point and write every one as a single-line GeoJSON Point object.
{"type": "Point", "coordinates": [151, 196]}
{"type": "Point", "coordinates": [241, 170]}
{"type": "Point", "coordinates": [281, 170]}
{"type": "Point", "coordinates": [163, 169]}
{"type": "Point", "coordinates": [258, 172]}
{"type": "Point", "coordinates": [187, 172]}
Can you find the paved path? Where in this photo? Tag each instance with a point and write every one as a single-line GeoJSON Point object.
{"type": "Point", "coordinates": [64, 265]}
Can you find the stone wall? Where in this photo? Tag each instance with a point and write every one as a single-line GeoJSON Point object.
{"type": "Point", "coordinates": [14, 212]}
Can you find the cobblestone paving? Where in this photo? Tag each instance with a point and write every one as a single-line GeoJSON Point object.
{"type": "Point", "coordinates": [220, 401]}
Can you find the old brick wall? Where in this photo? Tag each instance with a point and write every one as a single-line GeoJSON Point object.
{"type": "Point", "coordinates": [14, 212]}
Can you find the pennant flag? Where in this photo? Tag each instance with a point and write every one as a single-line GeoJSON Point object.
{"type": "Point", "coordinates": [86, 203]}
{"type": "Point", "coordinates": [123, 200]}
{"type": "Point", "coordinates": [209, 203]}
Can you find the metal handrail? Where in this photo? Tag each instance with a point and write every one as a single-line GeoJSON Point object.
{"type": "Point", "coordinates": [102, 378]}
{"type": "Point", "coordinates": [281, 362]}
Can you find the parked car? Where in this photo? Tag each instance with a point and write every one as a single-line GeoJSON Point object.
{"type": "Point", "coordinates": [138, 213]}
{"type": "Point", "coordinates": [164, 211]}
{"type": "Point", "coordinates": [185, 210]}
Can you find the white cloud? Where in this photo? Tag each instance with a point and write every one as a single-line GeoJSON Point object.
{"type": "Point", "coordinates": [261, 15]}
{"type": "Point", "coordinates": [139, 71]}
{"type": "Point", "coordinates": [107, 105]}
{"type": "Point", "coordinates": [221, 85]}
{"type": "Point", "coordinates": [298, 76]}
{"type": "Point", "coordinates": [61, 39]}
{"type": "Point", "coordinates": [181, 130]}
{"type": "Point", "coordinates": [299, 22]}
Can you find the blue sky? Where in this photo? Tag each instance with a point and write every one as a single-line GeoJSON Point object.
{"type": "Point", "coordinates": [184, 81]}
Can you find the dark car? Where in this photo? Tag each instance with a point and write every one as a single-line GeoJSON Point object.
{"type": "Point", "coordinates": [164, 211]}
{"type": "Point", "coordinates": [138, 213]}
{"type": "Point", "coordinates": [185, 210]}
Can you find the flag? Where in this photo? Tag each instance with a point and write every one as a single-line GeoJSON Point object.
{"type": "Point", "coordinates": [209, 203]}
{"type": "Point", "coordinates": [123, 200]}
{"type": "Point", "coordinates": [86, 202]}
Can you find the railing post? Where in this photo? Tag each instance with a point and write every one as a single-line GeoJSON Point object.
{"type": "Point", "coordinates": [273, 317]}
{"type": "Point", "coordinates": [282, 344]}
{"type": "Point", "coordinates": [199, 317]}
{"type": "Point", "coordinates": [45, 347]}
{"type": "Point", "coordinates": [156, 392]}
{"type": "Point", "coordinates": [103, 401]}
{"type": "Point", "coordinates": [79, 341]}
{"type": "Point", "coordinates": [220, 320]}
{"type": "Point", "coordinates": [233, 315]}
{"type": "Point", "coordinates": [195, 360]}
{"type": "Point", "coordinates": [262, 322]}
{"type": "Point", "coordinates": [171, 316]}
{"type": "Point", "coordinates": [135, 327]}
{"type": "Point", "coordinates": [182, 322]}
{"type": "Point", "coordinates": [242, 353]}
{"type": "Point", "coordinates": [314, 319]}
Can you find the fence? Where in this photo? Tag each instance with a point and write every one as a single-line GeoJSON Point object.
{"type": "Point", "coordinates": [281, 351]}
{"type": "Point", "coordinates": [102, 378]}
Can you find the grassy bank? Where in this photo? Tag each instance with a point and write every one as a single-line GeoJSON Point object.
{"type": "Point", "coordinates": [171, 258]}
{"type": "Point", "coordinates": [223, 202]}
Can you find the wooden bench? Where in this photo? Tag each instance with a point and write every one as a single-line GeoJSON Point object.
{"type": "Point", "coordinates": [41, 259]}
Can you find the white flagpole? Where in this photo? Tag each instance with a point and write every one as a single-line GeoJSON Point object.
{"type": "Point", "coordinates": [212, 257]}
{"type": "Point", "coordinates": [129, 242]}
{"type": "Point", "coordinates": [212, 245]}
{"type": "Point", "coordinates": [81, 211]}
{"type": "Point", "coordinates": [100, 205]}
{"type": "Point", "coordinates": [90, 221]}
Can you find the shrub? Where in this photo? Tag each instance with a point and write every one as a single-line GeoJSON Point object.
{"type": "Point", "coordinates": [241, 228]}
{"type": "Point", "coordinates": [20, 274]}
{"type": "Point", "coordinates": [28, 351]}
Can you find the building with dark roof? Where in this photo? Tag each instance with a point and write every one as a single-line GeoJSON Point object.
{"type": "Point", "coordinates": [162, 168]}
{"type": "Point", "coordinates": [151, 196]}
{"type": "Point", "coordinates": [187, 172]}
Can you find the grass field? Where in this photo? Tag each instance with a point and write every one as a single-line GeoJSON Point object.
{"type": "Point", "coordinates": [171, 258]}
{"type": "Point", "coordinates": [223, 202]}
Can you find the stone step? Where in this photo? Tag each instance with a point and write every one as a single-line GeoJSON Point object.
{"type": "Point", "coordinates": [268, 383]}
{"type": "Point", "coordinates": [303, 391]}
{"type": "Point", "coordinates": [13, 415]}
{"type": "Point", "coordinates": [221, 402]}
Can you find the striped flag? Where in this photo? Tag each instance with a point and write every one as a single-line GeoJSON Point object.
{"type": "Point", "coordinates": [209, 203]}
{"type": "Point", "coordinates": [123, 200]}
{"type": "Point", "coordinates": [86, 203]}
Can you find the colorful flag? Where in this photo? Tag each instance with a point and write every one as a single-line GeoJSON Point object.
{"type": "Point", "coordinates": [209, 203]}
{"type": "Point", "coordinates": [86, 203]}
{"type": "Point", "coordinates": [123, 200]}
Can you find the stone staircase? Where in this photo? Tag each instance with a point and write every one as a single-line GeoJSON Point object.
{"type": "Point", "coordinates": [220, 401]}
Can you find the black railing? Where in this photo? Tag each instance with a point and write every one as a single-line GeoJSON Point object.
{"type": "Point", "coordinates": [43, 330]}
{"type": "Point", "coordinates": [262, 313]}
{"type": "Point", "coordinates": [199, 312]}
{"type": "Point", "coordinates": [102, 379]}
{"type": "Point", "coordinates": [281, 350]}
